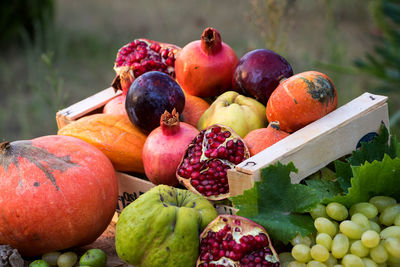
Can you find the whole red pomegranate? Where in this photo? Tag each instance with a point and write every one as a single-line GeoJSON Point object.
{"type": "Point", "coordinates": [205, 67]}
{"type": "Point", "coordinates": [141, 56]}
{"type": "Point", "coordinates": [203, 169]}
{"type": "Point", "coordinates": [231, 240]}
{"type": "Point", "coordinates": [165, 147]}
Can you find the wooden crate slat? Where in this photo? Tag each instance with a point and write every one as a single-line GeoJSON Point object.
{"type": "Point", "coordinates": [317, 144]}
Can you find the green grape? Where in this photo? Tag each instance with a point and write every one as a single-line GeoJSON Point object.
{"type": "Point", "coordinates": [319, 211]}
{"type": "Point", "coordinates": [67, 259]}
{"type": "Point", "coordinates": [324, 225]}
{"type": "Point", "coordinates": [296, 264]}
{"type": "Point", "coordinates": [375, 227]}
{"type": "Point", "coordinates": [393, 231]}
{"type": "Point", "coordinates": [383, 264]}
{"type": "Point", "coordinates": [285, 257]}
{"type": "Point", "coordinates": [298, 239]}
{"type": "Point", "coordinates": [51, 257]}
{"type": "Point", "coordinates": [319, 253]}
{"type": "Point", "coordinates": [389, 214]}
{"type": "Point", "coordinates": [378, 254]}
{"type": "Point", "coordinates": [370, 239]}
{"type": "Point", "coordinates": [94, 257]}
{"type": "Point", "coordinates": [375, 219]}
{"type": "Point", "coordinates": [324, 239]}
{"type": "Point", "coordinates": [397, 220]}
{"type": "Point", "coordinates": [337, 211]}
{"type": "Point", "coordinates": [315, 264]}
{"type": "Point", "coordinates": [369, 263]}
{"type": "Point", "coordinates": [351, 260]}
{"type": "Point", "coordinates": [36, 263]}
{"type": "Point", "coordinates": [365, 208]}
{"type": "Point", "coordinates": [338, 265]}
{"type": "Point", "coordinates": [301, 253]}
{"type": "Point", "coordinates": [358, 249]}
{"type": "Point", "coordinates": [340, 246]}
{"type": "Point", "coordinates": [381, 202]}
{"type": "Point", "coordinates": [392, 245]}
{"type": "Point", "coordinates": [351, 229]}
{"type": "Point", "coordinates": [331, 261]}
{"type": "Point", "coordinates": [361, 220]}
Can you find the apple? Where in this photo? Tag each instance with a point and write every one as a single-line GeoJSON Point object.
{"type": "Point", "coordinates": [243, 114]}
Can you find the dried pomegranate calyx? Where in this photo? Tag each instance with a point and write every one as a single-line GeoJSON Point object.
{"type": "Point", "coordinates": [207, 159]}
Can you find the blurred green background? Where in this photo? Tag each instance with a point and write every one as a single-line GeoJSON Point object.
{"type": "Point", "coordinates": [54, 53]}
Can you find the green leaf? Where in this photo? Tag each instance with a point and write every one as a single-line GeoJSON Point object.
{"type": "Point", "coordinates": [277, 204]}
{"type": "Point", "coordinates": [368, 152]}
{"type": "Point", "coordinates": [372, 179]}
{"type": "Point", "coordinates": [325, 189]}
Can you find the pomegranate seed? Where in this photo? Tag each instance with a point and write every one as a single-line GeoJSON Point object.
{"type": "Point", "coordinates": [200, 189]}
{"type": "Point", "coordinates": [230, 144]}
{"type": "Point", "coordinates": [216, 129]}
{"type": "Point", "coordinates": [210, 135]}
{"type": "Point", "coordinates": [169, 62]}
{"type": "Point", "coordinates": [205, 183]}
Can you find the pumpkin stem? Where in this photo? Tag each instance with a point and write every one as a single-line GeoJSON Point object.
{"type": "Point", "coordinates": [4, 146]}
{"type": "Point", "coordinates": [211, 42]}
{"type": "Point", "coordinates": [169, 122]}
{"type": "Point", "coordinates": [275, 125]}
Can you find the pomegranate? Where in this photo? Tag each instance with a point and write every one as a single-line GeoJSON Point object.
{"type": "Point", "coordinates": [140, 56]}
{"type": "Point", "coordinates": [259, 72]}
{"type": "Point", "coordinates": [203, 169]}
{"type": "Point", "coordinates": [231, 240]}
{"type": "Point", "coordinates": [116, 106]}
{"type": "Point", "coordinates": [167, 143]}
{"type": "Point", "coordinates": [205, 67]}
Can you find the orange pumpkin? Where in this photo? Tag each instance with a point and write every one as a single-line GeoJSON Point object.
{"type": "Point", "coordinates": [56, 192]}
{"type": "Point", "coordinates": [114, 135]}
{"type": "Point", "coordinates": [259, 139]}
{"type": "Point", "coordinates": [301, 99]}
{"type": "Point", "coordinates": [194, 108]}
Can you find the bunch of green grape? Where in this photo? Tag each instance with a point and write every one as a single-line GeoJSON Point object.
{"type": "Point", "coordinates": [368, 234]}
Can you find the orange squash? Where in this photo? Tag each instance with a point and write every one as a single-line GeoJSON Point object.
{"type": "Point", "coordinates": [301, 99]}
{"type": "Point", "coordinates": [114, 135]}
{"type": "Point", "coordinates": [259, 139]}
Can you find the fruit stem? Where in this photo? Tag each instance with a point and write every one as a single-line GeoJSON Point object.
{"type": "Point", "coordinates": [4, 146]}
{"type": "Point", "coordinates": [211, 42]}
{"type": "Point", "coordinates": [275, 125]}
{"type": "Point", "coordinates": [169, 122]}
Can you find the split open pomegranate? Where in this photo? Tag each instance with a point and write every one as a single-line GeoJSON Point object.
{"type": "Point", "coordinates": [212, 152]}
{"type": "Point", "coordinates": [233, 241]}
{"type": "Point", "coordinates": [140, 56]}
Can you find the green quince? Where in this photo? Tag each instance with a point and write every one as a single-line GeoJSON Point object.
{"type": "Point", "coordinates": [162, 228]}
{"type": "Point", "coordinates": [243, 114]}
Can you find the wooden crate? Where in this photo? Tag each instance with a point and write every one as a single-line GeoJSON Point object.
{"type": "Point", "coordinates": [310, 148]}
{"type": "Point", "coordinates": [317, 144]}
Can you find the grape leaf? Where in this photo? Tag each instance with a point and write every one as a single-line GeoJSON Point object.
{"type": "Point", "coordinates": [325, 189]}
{"type": "Point", "coordinates": [368, 152]}
{"type": "Point", "coordinates": [277, 204]}
{"type": "Point", "coordinates": [372, 179]}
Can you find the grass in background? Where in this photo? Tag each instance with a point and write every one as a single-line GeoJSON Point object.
{"type": "Point", "coordinates": [73, 58]}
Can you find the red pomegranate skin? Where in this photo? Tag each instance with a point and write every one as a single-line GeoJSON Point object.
{"type": "Point", "coordinates": [259, 72]}
{"type": "Point", "coordinates": [56, 192]}
{"type": "Point", "coordinates": [205, 68]}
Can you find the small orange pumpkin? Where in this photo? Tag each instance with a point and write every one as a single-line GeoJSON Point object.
{"type": "Point", "coordinates": [194, 108]}
{"type": "Point", "coordinates": [259, 139]}
{"type": "Point", "coordinates": [114, 135]}
{"type": "Point", "coordinates": [301, 99]}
